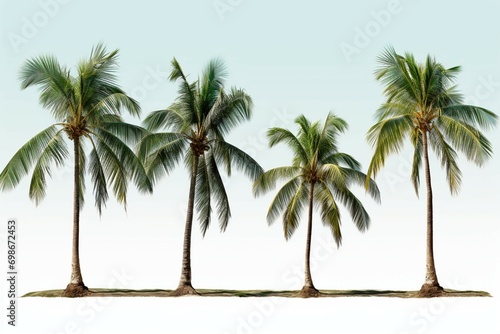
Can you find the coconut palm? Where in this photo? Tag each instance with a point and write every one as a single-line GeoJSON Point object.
{"type": "Point", "coordinates": [425, 107]}
{"type": "Point", "coordinates": [86, 108]}
{"type": "Point", "coordinates": [196, 124]}
{"type": "Point", "coordinates": [320, 176]}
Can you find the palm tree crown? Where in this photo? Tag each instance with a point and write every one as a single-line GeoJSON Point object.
{"type": "Point", "coordinates": [196, 125]}
{"type": "Point", "coordinates": [320, 175]}
{"type": "Point", "coordinates": [422, 102]}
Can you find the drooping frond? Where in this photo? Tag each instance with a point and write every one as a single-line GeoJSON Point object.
{"type": "Point", "coordinates": [283, 198]}
{"type": "Point", "coordinates": [96, 170]}
{"type": "Point", "coordinates": [448, 158]}
{"type": "Point", "coordinates": [203, 201]}
{"type": "Point", "coordinates": [164, 119]}
{"type": "Point", "coordinates": [55, 152]}
{"type": "Point", "coordinates": [418, 147]}
{"type": "Point", "coordinates": [267, 180]}
{"type": "Point", "coordinates": [280, 135]}
{"type": "Point", "coordinates": [471, 115]}
{"type": "Point", "coordinates": [54, 83]}
{"type": "Point", "coordinates": [466, 139]}
{"type": "Point", "coordinates": [237, 158]}
{"type": "Point", "coordinates": [356, 209]}
{"type": "Point", "coordinates": [329, 210]}
{"type": "Point", "coordinates": [128, 133]}
{"type": "Point", "coordinates": [218, 192]}
{"type": "Point", "coordinates": [160, 153]}
{"type": "Point", "coordinates": [293, 211]}
{"type": "Point", "coordinates": [29, 155]}
{"type": "Point", "coordinates": [83, 168]}
{"type": "Point", "coordinates": [387, 137]}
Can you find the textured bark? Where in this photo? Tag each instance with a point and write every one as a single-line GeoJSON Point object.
{"type": "Point", "coordinates": [76, 288]}
{"type": "Point", "coordinates": [308, 290]}
{"type": "Point", "coordinates": [431, 287]}
{"type": "Point", "coordinates": [185, 287]}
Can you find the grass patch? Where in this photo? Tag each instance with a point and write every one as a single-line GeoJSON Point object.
{"type": "Point", "coordinates": [259, 293]}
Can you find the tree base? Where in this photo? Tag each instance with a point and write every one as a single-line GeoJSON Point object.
{"type": "Point", "coordinates": [74, 290]}
{"type": "Point", "coordinates": [430, 290]}
{"type": "Point", "coordinates": [184, 290]}
{"type": "Point", "coordinates": [308, 292]}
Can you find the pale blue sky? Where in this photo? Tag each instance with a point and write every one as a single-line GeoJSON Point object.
{"type": "Point", "coordinates": [292, 57]}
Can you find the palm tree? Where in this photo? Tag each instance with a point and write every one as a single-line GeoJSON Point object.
{"type": "Point", "coordinates": [196, 123]}
{"type": "Point", "coordinates": [320, 176]}
{"type": "Point", "coordinates": [424, 106]}
{"type": "Point", "coordinates": [86, 107]}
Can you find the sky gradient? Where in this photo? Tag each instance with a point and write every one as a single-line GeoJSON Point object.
{"type": "Point", "coordinates": [292, 58]}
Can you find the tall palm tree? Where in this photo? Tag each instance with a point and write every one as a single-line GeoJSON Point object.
{"type": "Point", "coordinates": [86, 108]}
{"type": "Point", "coordinates": [196, 125]}
{"type": "Point", "coordinates": [320, 176]}
{"type": "Point", "coordinates": [424, 106]}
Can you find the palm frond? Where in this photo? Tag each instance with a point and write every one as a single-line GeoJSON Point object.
{"type": "Point", "coordinates": [203, 195]}
{"type": "Point", "coordinates": [472, 115]}
{"type": "Point", "coordinates": [54, 83]}
{"type": "Point", "coordinates": [164, 119]}
{"type": "Point", "coordinates": [228, 111]}
{"type": "Point", "coordinates": [129, 133]}
{"type": "Point", "coordinates": [96, 170]}
{"type": "Point", "coordinates": [218, 192]}
{"type": "Point", "coordinates": [55, 152]}
{"type": "Point", "coordinates": [280, 135]}
{"type": "Point", "coordinates": [211, 85]}
{"type": "Point", "coordinates": [82, 168]}
{"type": "Point", "coordinates": [131, 164]}
{"type": "Point", "coordinates": [26, 157]}
{"type": "Point", "coordinates": [291, 216]}
{"type": "Point", "coordinates": [241, 160]}
{"type": "Point", "coordinates": [448, 158]}
{"type": "Point", "coordinates": [187, 99]}
{"type": "Point", "coordinates": [466, 139]}
{"type": "Point", "coordinates": [387, 136]}
{"type": "Point", "coordinates": [171, 143]}
{"type": "Point", "coordinates": [283, 198]}
{"type": "Point", "coordinates": [329, 210]}
{"type": "Point", "coordinates": [356, 209]}
{"type": "Point", "coordinates": [340, 158]}
{"type": "Point", "coordinates": [267, 180]}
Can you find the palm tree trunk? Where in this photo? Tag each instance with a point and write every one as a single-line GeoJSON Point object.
{"type": "Point", "coordinates": [309, 290]}
{"type": "Point", "coordinates": [76, 288]}
{"type": "Point", "coordinates": [185, 286]}
{"type": "Point", "coordinates": [431, 285]}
